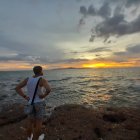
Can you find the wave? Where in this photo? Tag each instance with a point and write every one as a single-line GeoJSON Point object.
{"type": "Point", "coordinates": [2, 97]}
{"type": "Point", "coordinates": [96, 86]}
{"type": "Point", "coordinates": [63, 79]}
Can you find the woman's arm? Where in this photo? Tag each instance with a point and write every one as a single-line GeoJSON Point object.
{"type": "Point", "coordinates": [19, 89]}
{"type": "Point", "coordinates": [47, 87]}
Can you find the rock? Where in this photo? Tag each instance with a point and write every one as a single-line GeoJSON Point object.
{"type": "Point", "coordinates": [75, 122]}
{"type": "Point", "coordinates": [114, 118]}
{"type": "Point", "coordinates": [11, 114]}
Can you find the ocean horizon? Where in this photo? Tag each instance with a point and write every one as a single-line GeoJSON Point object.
{"type": "Point", "coordinates": [73, 68]}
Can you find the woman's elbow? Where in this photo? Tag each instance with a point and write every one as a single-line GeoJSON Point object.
{"type": "Point", "coordinates": [50, 90]}
{"type": "Point", "coordinates": [16, 88]}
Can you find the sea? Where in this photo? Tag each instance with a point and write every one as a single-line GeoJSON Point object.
{"type": "Point", "coordinates": [112, 87]}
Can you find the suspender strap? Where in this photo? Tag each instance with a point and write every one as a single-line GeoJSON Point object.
{"type": "Point", "coordinates": [35, 91]}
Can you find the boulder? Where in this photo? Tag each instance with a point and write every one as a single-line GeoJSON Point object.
{"type": "Point", "coordinates": [75, 122]}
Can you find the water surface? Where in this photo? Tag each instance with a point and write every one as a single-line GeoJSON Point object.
{"type": "Point", "coordinates": [93, 87]}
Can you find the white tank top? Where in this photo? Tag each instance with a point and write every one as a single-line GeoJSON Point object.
{"type": "Point", "coordinates": [31, 85]}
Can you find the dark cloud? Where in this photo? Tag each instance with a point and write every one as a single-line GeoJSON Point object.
{"type": "Point", "coordinates": [133, 51]}
{"type": "Point", "coordinates": [101, 49]}
{"type": "Point", "coordinates": [82, 22]}
{"type": "Point", "coordinates": [109, 41]}
{"type": "Point", "coordinates": [97, 55]}
{"type": "Point", "coordinates": [88, 11]}
{"type": "Point", "coordinates": [95, 50]}
{"type": "Point", "coordinates": [117, 25]}
{"type": "Point", "coordinates": [116, 1]}
{"type": "Point", "coordinates": [33, 59]}
{"type": "Point", "coordinates": [132, 2]}
{"type": "Point", "coordinates": [92, 37]}
{"type": "Point", "coordinates": [67, 61]}
{"type": "Point", "coordinates": [127, 3]}
{"type": "Point", "coordinates": [41, 60]}
{"type": "Point", "coordinates": [74, 52]}
{"type": "Point", "coordinates": [115, 22]}
{"type": "Point", "coordinates": [83, 10]}
{"type": "Point", "coordinates": [21, 57]}
{"type": "Point", "coordinates": [73, 60]}
{"type": "Point", "coordinates": [119, 9]}
{"type": "Point", "coordinates": [105, 10]}
{"type": "Point", "coordinates": [135, 25]}
{"type": "Point", "coordinates": [91, 10]}
{"type": "Point", "coordinates": [119, 53]}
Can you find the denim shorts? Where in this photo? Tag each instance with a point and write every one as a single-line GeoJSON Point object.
{"type": "Point", "coordinates": [39, 110]}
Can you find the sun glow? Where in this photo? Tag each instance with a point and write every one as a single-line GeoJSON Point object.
{"type": "Point", "coordinates": [107, 65]}
{"type": "Point", "coordinates": [94, 65]}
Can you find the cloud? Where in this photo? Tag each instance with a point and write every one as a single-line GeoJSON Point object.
{"type": "Point", "coordinates": [83, 10]}
{"type": "Point", "coordinates": [119, 53]}
{"type": "Point", "coordinates": [113, 25]}
{"type": "Point", "coordinates": [130, 55]}
{"type": "Point", "coordinates": [115, 20]}
{"type": "Point", "coordinates": [73, 60]}
{"type": "Point", "coordinates": [21, 57]}
{"type": "Point", "coordinates": [95, 50]}
{"type": "Point", "coordinates": [127, 3]}
{"type": "Point", "coordinates": [13, 45]}
{"type": "Point", "coordinates": [117, 25]}
{"type": "Point", "coordinates": [132, 2]}
{"type": "Point", "coordinates": [130, 52]}
{"type": "Point", "coordinates": [134, 49]}
{"type": "Point", "coordinates": [105, 10]}
{"type": "Point", "coordinates": [38, 59]}
{"type": "Point", "coordinates": [119, 9]}
{"type": "Point", "coordinates": [44, 60]}
{"type": "Point", "coordinates": [92, 37]}
{"type": "Point", "coordinates": [101, 49]}
{"type": "Point", "coordinates": [91, 10]}
{"type": "Point", "coordinates": [74, 52]}
{"type": "Point", "coordinates": [29, 51]}
{"type": "Point", "coordinates": [82, 22]}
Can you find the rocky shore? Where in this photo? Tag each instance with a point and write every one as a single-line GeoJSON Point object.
{"type": "Point", "coordinates": [75, 122]}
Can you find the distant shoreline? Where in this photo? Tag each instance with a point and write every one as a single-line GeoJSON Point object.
{"type": "Point", "coordinates": [69, 69]}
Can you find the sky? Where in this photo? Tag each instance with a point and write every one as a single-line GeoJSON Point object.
{"type": "Point", "coordinates": [69, 33]}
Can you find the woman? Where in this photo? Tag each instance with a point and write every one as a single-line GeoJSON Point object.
{"type": "Point", "coordinates": [35, 117]}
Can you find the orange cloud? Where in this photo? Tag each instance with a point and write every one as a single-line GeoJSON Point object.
{"type": "Point", "coordinates": [20, 65]}
{"type": "Point", "coordinates": [17, 65]}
